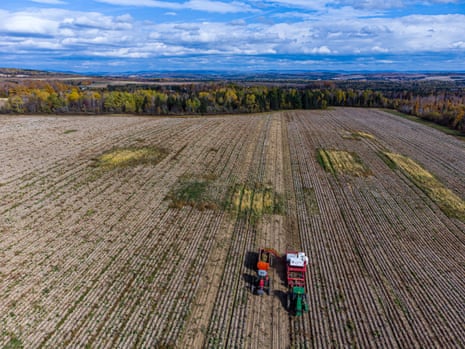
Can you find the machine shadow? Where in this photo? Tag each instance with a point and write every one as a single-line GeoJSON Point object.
{"type": "Point", "coordinates": [250, 263]}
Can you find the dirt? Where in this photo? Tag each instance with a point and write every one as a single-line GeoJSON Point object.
{"type": "Point", "coordinates": [101, 259]}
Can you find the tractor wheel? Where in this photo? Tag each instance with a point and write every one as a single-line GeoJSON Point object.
{"type": "Point", "coordinates": [288, 303]}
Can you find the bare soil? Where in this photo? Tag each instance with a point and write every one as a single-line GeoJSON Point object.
{"type": "Point", "coordinates": [97, 257]}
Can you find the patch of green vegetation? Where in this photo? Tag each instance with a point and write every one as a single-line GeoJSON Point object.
{"type": "Point", "coordinates": [340, 161]}
{"type": "Point", "coordinates": [194, 192]}
{"type": "Point", "coordinates": [69, 131]}
{"type": "Point", "coordinates": [205, 192]}
{"type": "Point", "coordinates": [451, 204]}
{"type": "Point", "coordinates": [255, 200]}
{"type": "Point", "coordinates": [311, 201]}
{"type": "Point", "coordinates": [14, 343]}
{"type": "Point", "coordinates": [358, 135]}
{"type": "Point", "coordinates": [350, 325]}
{"type": "Point", "coordinates": [130, 157]}
{"type": "Point", "coordinates": [324, 161]}
{"type": "Point", "coordinates": [90, 212]}
{"type": "Point", "coordinates": [391, 164]}
{"type": "Point", "coordinates": [419, 120]}
{"type": "Point", "coordinates": [401, 305]}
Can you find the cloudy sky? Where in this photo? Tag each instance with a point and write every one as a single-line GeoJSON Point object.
{"type": "Point", "coordinates": [247, 35]}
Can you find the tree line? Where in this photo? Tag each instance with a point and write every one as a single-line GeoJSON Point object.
{"type": "Point", "coordinates": [444, 106]}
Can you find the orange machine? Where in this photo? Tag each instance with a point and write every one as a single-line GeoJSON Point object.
{"type": "Point", "coordinates": [262, 282]}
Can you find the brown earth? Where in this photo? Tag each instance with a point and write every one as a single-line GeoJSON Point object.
{"type": "Point", "coordinates": [97, 257]}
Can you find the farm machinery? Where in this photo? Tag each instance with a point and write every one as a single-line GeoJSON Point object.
{"type": "Point", "coordinates": [262, 283]}
{"type": "Point", "coordinates": [296, 265]}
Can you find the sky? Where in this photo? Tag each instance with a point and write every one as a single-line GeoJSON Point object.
{"type": "Point", "coordinates": [116, 36]}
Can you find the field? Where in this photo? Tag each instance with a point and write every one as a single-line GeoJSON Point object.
{"type": "Point", "coordinates": [138, 232]}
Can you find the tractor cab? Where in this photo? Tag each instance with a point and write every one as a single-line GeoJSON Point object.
{"type": "Point", "coordinates": [262, 282]}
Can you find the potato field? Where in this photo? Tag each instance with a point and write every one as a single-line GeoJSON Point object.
{"type": "Point", "coordinates": [139, 232]}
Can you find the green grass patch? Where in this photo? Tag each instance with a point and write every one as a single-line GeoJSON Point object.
{"type": "Point", "coordinates": [194, 192]}
{"type": "Point", "coordinates": [451, 204]}
{"type": "Point", "coordinates": [387, 160]}
{"type": "Point", "coordinates": [14, 343]}
{"type": "Point", "coordinates": [342, 162]}
{"type": "Point", "coordinates": [206, 192]}
{"type": "Point", "coordinates": [130, 157]}
{"type": "Point", "coordinates": [310, 201]}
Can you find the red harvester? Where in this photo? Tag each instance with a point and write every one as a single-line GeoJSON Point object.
{"type": "Point", "coordinates": [296, 265]}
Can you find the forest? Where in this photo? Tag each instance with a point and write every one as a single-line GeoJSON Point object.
{"type": "Point", "coordinates": [440, 103]}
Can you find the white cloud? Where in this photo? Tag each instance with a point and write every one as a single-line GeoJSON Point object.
{"type": "Point", "coordinates": [443, 2]}
{"type": "Point", "coordinates": [217, 6]}
{"type": "Point", "coordinates": [426, 33]}
{"type": "Point", "coordinates": [321, 50]}
{"type": "Point", "coordinates": [324, 35]}
{"type": "Point", "coordinates": [124, 18]}
{"type": "Point", "coordinates": [96, 20]}
{"type": "Point", "coordinates": [50, 2]}
{"type": "Point", "coordinates": [372, 4]}
{"type": "Point", "coordinates": [458, 45]}
{"type": "Point", "coordinates": [27, 23]}
{"type": "Point", "coordinates": [39, 44]}
{"type": "Point", "coordinates": [199, 5]}
{"type": "Point", "coordinates": [120, 52]}
{"type": "Point", "coordinates": [306, 4]}
{"type": "Point", "coordinates": [378, 49]}
{"type": "Point", "coordinates": [142, 3]}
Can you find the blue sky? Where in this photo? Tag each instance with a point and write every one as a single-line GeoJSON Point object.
{"type": "Point", "coordinates": [245, 35]}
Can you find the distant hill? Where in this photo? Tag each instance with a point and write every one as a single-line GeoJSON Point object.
{"type": "Point", "coordinates": [278, 77]}
{"type": "Point", "coordinates": [34, 74]}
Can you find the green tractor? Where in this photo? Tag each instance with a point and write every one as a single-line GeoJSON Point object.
{"type": "Point", "coordinates": [297, 300]}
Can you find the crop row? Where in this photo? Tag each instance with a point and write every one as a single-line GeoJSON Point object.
{"type": "Point", "coordinates": [376, 266]}
{"type": "Point", "coordinates": [95, 256]}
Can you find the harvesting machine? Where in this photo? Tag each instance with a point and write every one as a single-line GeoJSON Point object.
{"type": "Point", "coordinates": [262, 283]}
{"type": "Point", "coordinates": [296, 264]}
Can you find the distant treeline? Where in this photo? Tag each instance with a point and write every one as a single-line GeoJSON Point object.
{"type": "Point", "coordinates": [445, 106]}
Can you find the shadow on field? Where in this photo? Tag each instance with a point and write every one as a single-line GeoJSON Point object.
{"type": "Point", "coordinates": [249, 280]}
{"type": "Point", "coordinates": [282, 296]}
{"type": "Point", "coordinates": [251, 259]}
{"type": "Point", "coordinates": [250, 263]}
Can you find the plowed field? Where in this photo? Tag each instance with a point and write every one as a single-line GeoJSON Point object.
{"type": "Point", "coordinates": [135, 232]}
